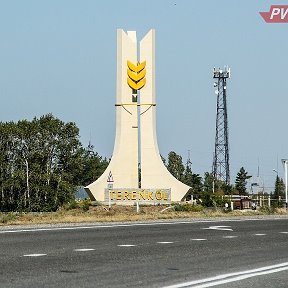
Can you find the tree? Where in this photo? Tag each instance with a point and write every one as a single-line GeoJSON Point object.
{"type": "Point", "coordinates": [240, 182]}
{"type": "Point", "coordinates": [175, 165]}
{"type": "Point", "coordinates": [94, 166]}
{"type": "Point", "coordinates": [41, 164]}
{"type": "Point", "coordinates": [208, 182]}
{"type": "Point", "coordinates": [212, 184]}
{"type": "Point", "coordinates": [279, 191]}
{"type": "Point", "coordinates": [213, 191]}
{"type": "Point", "coordinates": [188, 176]}
{"type": "Point", "coordinates": [193, 180]}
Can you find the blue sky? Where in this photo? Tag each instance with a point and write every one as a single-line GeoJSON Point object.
{"type": "Point", "coordinates": [60, 57]}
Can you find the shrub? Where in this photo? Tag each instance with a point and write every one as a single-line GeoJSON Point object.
{"type": "Point", "coordinates": [7, 217]}
{"type": "Point", "coordinates": [73, 204]}
{"type": "Point", "coordinates": [267, 210]}
{"type": "Point", "coordinates": [85, 204]}
{"type": "Point", "coordinates": [187, 207]}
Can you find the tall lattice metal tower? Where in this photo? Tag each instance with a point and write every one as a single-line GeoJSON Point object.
{"type": "Point", "coordinates": [221, 169]}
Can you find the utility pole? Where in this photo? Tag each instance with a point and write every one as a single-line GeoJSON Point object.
{"type": "Point", "coordinates": [221, 169]}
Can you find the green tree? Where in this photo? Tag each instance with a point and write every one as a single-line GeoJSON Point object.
{"type": "Point", "coordinates": [211, 184]}
{"type": "Point", "coordinates": [193, 180]}
{"type": "Point", "coordinates": [175, 165]}
{"type": "Point", "coordinates": [41, 164]}
{"type": "Point", "coordinates": [241, 181]}
{"type": "Point", "coordinates": [94, 166]}
{"type": "Point", "coordinates": [208, 182]}
{"type": "Point", "coordinates": [279, 192]}
{"type": "Point", "coordinates": [279, 189]}
{"type": "Point", "coordinates": [207, 191]}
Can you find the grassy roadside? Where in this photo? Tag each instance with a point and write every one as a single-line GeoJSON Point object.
{"type": "Point", "coordinates": [85, 212]}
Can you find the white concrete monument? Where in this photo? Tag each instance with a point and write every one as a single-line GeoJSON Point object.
{"type": "Point", "coordinates": [136, 88]}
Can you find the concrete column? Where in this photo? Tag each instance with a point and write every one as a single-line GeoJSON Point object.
{"type": "Point", "coordinates": [124, 163]}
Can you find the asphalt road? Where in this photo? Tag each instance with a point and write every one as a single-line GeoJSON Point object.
{"type": "Point", "coordinates": [238, 253]}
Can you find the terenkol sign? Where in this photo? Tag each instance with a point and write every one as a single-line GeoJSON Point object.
{"type": "Point", "coordinates": [147, 196]}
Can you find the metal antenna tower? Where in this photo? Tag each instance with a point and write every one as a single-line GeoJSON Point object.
{"type": "Point", "coordinates": [189, 163]}
{"type": "Point", "coordinates": [221, 169]}
{"type": "Point", "coordinates": [90, 147]}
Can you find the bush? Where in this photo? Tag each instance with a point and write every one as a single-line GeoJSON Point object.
{"type": "Point", "coordinates": [278, 203]}
{"type": "Point", "coordinates": [7, 217]}
{"type": "Point", "coordinates": [197, 208]}
{"type": "Point", "coordinates": [73, 204]}
{"type": "Point", "coordinates": [213, 200]}
{"type": "Point", "coordinates": [187, 207]}
{"type": "Point", "coordinates": [85, 204]}
{"type": "Point", "coordinates": [267, 210]}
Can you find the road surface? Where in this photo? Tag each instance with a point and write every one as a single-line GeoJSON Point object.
{"type": "Point", "coordinates": [218, 253]}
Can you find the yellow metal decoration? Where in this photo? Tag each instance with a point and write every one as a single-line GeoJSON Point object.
{"type": "Point", "coordinates": [136, 75]}
{"type": "Point", "coordinates": [136, 68]}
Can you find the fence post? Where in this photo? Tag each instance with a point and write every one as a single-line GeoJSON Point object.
{"type": "Point", "coordinates": [137, 207]}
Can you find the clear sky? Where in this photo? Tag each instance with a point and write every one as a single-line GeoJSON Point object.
{"type": "Point", "coordinates": [60, 57]}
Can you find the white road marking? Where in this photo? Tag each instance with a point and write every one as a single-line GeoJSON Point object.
{"type": "Point", "coordinates": [126, 225]}
{"type": "Point", "coordinates": [232, 277]}
{"type": "Point", "coordinates": [222, 228]}
{"type": "Point", "coordinates": [260, 234]}
{"type": "Point", "coordinates": [198, 239]}
{"type": "Point", "coordinates": [34, 255]}
{"type": "Point", "coordinates": [84, 249]}
{"type": "Point", "coordinates": [126, 245]}
{"type": "Point", "coordinates": [283, 232]}
{"type": "Point", "coordinates": [229, 237]}
{"type": "Point", "coordinates": [165, 242]}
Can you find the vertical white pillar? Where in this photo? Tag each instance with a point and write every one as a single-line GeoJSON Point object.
{"type": "Point", "coordinates": [285, 163]}
{"type": "Point", "coordinates": [124, 162]}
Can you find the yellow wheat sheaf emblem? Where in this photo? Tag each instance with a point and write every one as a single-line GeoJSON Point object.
{"type": "Point", "coordinates": [136, 75]}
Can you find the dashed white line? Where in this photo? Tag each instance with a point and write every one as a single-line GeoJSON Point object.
{"type": "Point", "coordinates": [165, 242]}
{"type": "Point", "coordinates": [230, 237]}
{"type": "Point", "coordinates": [260, 234]}
{"type": "Point", "coordinates": [283, 232]}
{"type": "Point", "coordinates": [221, 228]}
{"type": "Point", "coordinates": [34, 255]}
{"type": "Point", "coordinates": [84, 249]}
{"type": "Point", "coordinates": [198, 239]}
{"type": "Point", "coordinates": [126, 245]}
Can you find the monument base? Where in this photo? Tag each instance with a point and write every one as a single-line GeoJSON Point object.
{"type": "Point", "coordinates": [130, 196]}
